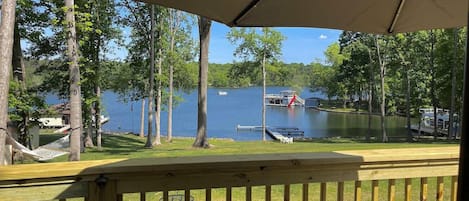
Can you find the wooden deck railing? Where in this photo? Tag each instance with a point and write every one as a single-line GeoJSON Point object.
{"type": "Point", "coordinates": [346, 175]}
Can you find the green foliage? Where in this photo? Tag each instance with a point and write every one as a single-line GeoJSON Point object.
{"type": "Point", "coordinates": [253, 47]}
{"type": "Point", "coordinates": [25, 108]}
{"type": "Point", "coordinates": [132, 76]}
{"type": "Point", "coordinates": [352, 71]}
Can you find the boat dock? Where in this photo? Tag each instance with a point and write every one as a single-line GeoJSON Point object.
{"type": "Point", "coordinates": [278, 136]}
{"type": "Point", "coordinates": [290, 131]}
{"type": "Point", "coordinates": [248, 128]}
{"type": "Point", "coordinates": [286, 98]}
{"type": "Point", "coordinates": [282, 134]}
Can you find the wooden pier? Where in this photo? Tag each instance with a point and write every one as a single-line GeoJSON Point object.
{"type": "Point", "coordinates": [282, 134]}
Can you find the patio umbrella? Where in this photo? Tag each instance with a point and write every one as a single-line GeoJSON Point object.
{"type": "Point", "coordinates": [371, 16]}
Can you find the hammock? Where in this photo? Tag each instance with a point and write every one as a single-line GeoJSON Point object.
{"type": "Point", "coordinates": [43, 153]}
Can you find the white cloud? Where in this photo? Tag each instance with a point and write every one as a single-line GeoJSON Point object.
{"type": "Point", "coordinates": [322, 37]}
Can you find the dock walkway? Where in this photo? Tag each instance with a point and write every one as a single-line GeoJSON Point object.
{"type": "Point", "coordinates": [278, 136]}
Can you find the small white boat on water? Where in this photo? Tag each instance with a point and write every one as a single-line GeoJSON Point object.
{"type": "Point", "coordinates": [222, 93]}
{"type": "Point", "coordinates": [286, 98]}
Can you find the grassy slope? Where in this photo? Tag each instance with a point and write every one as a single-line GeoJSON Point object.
{"type": "Point", "coordinates": [130, 146]}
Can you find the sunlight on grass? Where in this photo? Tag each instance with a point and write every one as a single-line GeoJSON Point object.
{"type": "Point", "coordinates": [131, 146]}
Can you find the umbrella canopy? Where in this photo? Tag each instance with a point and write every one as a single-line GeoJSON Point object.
{"type": "Point", "coordinates": [371, 16]}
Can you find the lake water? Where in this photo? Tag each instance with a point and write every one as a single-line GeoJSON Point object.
{"type": "Point", "coordinates": [243, 106]}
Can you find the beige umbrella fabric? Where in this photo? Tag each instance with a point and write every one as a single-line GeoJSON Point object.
{"type": "Point", "coordinates": [371, 16]}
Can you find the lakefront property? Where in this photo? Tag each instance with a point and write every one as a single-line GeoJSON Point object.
{"type": "Point", "coordinates": [208, 100]}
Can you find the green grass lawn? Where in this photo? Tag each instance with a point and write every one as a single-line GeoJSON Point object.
{"type": "Point", "coordinates": [131, 146]}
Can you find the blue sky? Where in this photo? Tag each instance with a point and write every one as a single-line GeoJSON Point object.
{"type": "Point", "coordinates": [302, 45]}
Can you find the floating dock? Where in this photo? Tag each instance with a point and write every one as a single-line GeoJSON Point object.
{"type": "Point", "coordinates": [282, 134]}
{"type": "Point", "coordinates": [248, 128]}
{"type": "Point", "coordinates": [286, 98]}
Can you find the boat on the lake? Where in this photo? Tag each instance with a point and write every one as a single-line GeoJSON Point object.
{"type": "Point", "coordinates": [427, 123]}
{"type": "Point", "coordinates": [222, 93]}
{"type": "Point", "coordinates": [285, 98]}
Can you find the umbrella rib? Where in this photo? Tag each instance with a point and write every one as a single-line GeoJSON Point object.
{"type": "Point", "coordinates": [244, 12]}
{"type": "Point", "coordinates": [396, 16]}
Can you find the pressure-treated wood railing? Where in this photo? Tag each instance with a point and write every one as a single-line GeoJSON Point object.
{"type": "Point", "coordinates": [360, 173]}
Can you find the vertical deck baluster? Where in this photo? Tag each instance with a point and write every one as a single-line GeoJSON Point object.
{"type": "Point", "coordinates": [391, 190]}
{"type": "Point", "coordinates": [208, 194]}
{"type": "Point", "coordinates": [323, 196]}
{"type": "Point", "coordinates": [165, 196]}
{"type": "Point", "coordinates": [286, 192]}
{"type": "Point", "coordinates": [454, 188]}
{"type": "Point", "coordinates": [305, 192]}
{"type": "Point", "coordinates": [375, 189]}
{"type": "Point", "coordinates": [340, 191]}
{"type": "Point", "coordinates": [228, 193]}
{"type": "Point", "coordinates": [439, 188]}
{"type": "Point", "coordinates": [119, 197]}
{"type": "Point", "coordinates": [268, 193]}
{"type": "Point", "coordinates": [358, 191]}
{"type": "Point", "coordinates": [142, 196]}
{"type": "Point", "coordinates": [187, 195]}
{"type": "Point", "coordinates": [423, 189]}
{"type": "Point", "coordinates": [248, 193]}
{"type": "Point", "coordinates": [408, 189]}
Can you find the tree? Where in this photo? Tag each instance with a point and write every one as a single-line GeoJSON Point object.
{"type": "Point", "coordinates": [159, 87]}
{"type": "Point", "coordinates": [433, 83]}
{"type": "Point", "coordinates": [174, 24]}
{"type": "Point", "coordinates": [259, 48]}
{"type": "Point", "coordinates": [382, 67]}
{"type": "Point", "coordinates": [6, 42]}
{"type": "Point", "coordinates": [359, 67]}
{"type": "Point", "coordinates": [204, 38]}
{"type": "Point", "coordinates": [19, 73]}
{"type": "Point", "coordinates": [134, 79]}
{"type": "Point", "coordinates": [75, 92]}
{"type": "Point", "coordinates": [151, 95]}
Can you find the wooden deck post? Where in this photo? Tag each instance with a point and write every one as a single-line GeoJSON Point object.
{"type": "Point", "coordinates": [102, 189]}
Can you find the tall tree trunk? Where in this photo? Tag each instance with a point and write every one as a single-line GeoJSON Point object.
{"type": "Point", "coordinates": [407, 105]}
{"type": "Point", "coordinates": [88, 141]}
{"type": "Point", "coordinates": [451, 132]}
{"type": "Point", "coordinates": [97, 89]}
{"type": "Point", "coordinates": [19, 74]}
{"type": "Point", "coordinates": [171, 72]}
{"type": "Point", "coordinates": [263, 97]}
{"type": "Point", "coordinates": [151, 95]}
{"type": "Point", "coordinates": [158, 98]}
{"type": "Point", "coordinates": [170, 105]}
{"type": "Point", "coordinates": [142, 120]}
{"type": "Point", "coordinates": [75, 91]}
{"type": "Point", "coordinates": [19, 71]}
{"type": "Point", "coordinates": [6, 43]}
{"type": "Point", "coordinates": [383, 95]}
{"type": "Point", "coordinates": [204, 38]}
{"type": "Point", "coordinates": [159, 88]}
{"type": "Point", "coordinates": [97, 116]}
{"type": "Point", "coordinates": [370, 98]}
{"type": "Point", "coordinates": [433, 86]}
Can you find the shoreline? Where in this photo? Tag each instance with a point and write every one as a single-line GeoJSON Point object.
{"type": "Point", "coordinates": [350, 112]}
{"type": "Point", "coordinates": [164, 136]}
{"type": "Point", "coordinates": [338, 111]}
